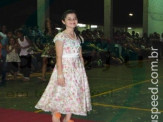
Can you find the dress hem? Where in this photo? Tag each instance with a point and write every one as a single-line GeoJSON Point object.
{"type": "Point", "coordinates": [62, 112]}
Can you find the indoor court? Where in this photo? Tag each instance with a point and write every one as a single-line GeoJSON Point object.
{"type": "Point", "coordinates": [119, 93]}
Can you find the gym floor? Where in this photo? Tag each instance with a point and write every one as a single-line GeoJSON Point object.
{"type": "Point", "coordinates": [119, 93]}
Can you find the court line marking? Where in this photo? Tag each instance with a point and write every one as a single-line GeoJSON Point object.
{"type": "Point", "coordinates": [110, 91]}
{"type": "Point", "coordinates": [123, 107]}
{"type": "Point", "coordinates": [38, 111]}
{"type": "Point", "coordinates": [128, 86]}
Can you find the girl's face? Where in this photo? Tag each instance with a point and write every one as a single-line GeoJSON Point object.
{"type": "Point", "coordinates": [70, 21]}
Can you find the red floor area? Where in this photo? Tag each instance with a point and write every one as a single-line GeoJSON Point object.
{"type": "Point", "coordinates": [11, 115]}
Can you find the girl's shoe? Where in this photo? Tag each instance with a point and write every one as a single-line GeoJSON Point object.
{"type": "Point", "coordinates": [56, 117]}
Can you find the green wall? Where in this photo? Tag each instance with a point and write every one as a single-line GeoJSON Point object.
{"type": "Point", "coordinates": [155, 16]}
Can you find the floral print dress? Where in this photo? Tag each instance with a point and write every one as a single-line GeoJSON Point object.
{"type": "Point", "coordinates": [13, 56]}
{"type": "Point", "coordinates": [74, 97]}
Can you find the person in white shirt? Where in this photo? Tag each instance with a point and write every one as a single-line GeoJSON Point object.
{"type": "Point", "coordinates": [25, 54]}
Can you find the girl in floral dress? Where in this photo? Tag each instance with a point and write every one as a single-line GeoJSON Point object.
{"type": "Point", "coordinates": [68, 90]}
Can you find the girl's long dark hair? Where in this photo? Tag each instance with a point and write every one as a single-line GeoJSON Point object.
{"type": "Point", "coordinates": [64, 27]}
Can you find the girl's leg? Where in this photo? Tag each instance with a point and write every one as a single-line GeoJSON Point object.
{"type": "Point", "coordinates": [67, 118]}
{"type": "Point", "coordinates": [23, 65]}
{"type": "Point", "coordinates": [18, 67]}
{"type": "Point", "coordinates": [56, 117]}
{"type": "Point", "coordinates": [44, 67]}
{"type": "Point", "coordinates": [15, 69]}
{"type": "Point", "coordinates": [26, 66]}
{"type": "Point", "coordinates": [29, 61]}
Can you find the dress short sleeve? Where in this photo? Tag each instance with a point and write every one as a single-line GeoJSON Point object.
{"type": "Point", "coordinates": [58, 37]}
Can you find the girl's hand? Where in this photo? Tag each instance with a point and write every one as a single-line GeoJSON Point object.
{"type": "Point", "coordinates": [61, 80]}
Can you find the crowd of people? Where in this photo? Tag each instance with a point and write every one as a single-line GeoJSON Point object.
{"type": "Point", "coordinates": [28, 49]}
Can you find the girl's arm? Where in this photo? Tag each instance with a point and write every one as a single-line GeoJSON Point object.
{"type": "Point", "coordinates": [59, 51]}
{"type": "Point", "coordinates": [81, 56]}
{"type": "Point", "coordinates": [9, 50]}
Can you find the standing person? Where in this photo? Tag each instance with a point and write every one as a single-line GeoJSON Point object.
{"type": "Point", "coordinates": [25, 54]}
{"type": "Point", "coordinates": [68, 90]}
{"type": "Point", "coordinates": [12, 57]}
{"type": "Point", "coordinates": [48, 51]}
{"type": "Point", "coordinates": [4, 42]}
{"type": "Point", "coordinates": [47, 54]}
